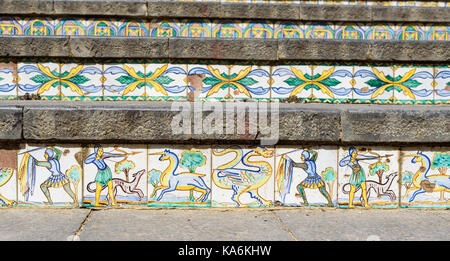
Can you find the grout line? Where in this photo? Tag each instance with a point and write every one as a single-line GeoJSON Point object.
{"type": "Point", "coordinates": [285, 227]}
{"type": "Point", "coordinates": [80, 229]}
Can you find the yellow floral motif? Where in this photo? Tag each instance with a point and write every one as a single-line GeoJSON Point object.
{"type": "Point", "coordinates": [398, 83]}
{"type": "Point", "coordinates": [315, 82]}
{"type": "Point", "coordinates": [242, 74]}
{"type": "Point", "coordinates": [46, 86]}
{"type": "Point", "coordinates": [158, 87]}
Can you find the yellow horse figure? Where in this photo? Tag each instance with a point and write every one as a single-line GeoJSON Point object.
{"type": "Point", "coordinates": [185, 181]}
{"type": "Point", "coordinates": [426, 183]}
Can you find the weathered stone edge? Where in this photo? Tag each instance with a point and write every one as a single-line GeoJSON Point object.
{"type": "Point", "coordinates": [169, 9]}
{"type": "Point", "coordinates": [139, 122]}
{"type": "Point", "coordinates": [225, 49]}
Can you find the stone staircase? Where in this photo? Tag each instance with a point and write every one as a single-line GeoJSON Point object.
{"type": "Point", "coordinates": [224, 103]}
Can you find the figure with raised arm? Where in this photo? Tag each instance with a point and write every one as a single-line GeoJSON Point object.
{"type": "Point", "coordinates": [104, 174]}
{"type": "Point", "coordinates": [313, 180]}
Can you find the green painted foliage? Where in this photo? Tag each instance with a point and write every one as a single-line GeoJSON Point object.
{"type": "Point", "coordinates": [41, 78]}
{"type": "Point", "coordinates": [329, 175]}
{"type": "Point", "coordinates": [192, 160]}
{"type": "Point", "coordinates": [211, 81]}
{"type": "Point", "coordinates": [407, 177]}
{"type": "Point", "coordinates": [79, 79]}
{"type": "Point", "coordinates": [441, 160]}
{"type": "Point", "coordinates": [153, 177]}
{"type": "Point", "coordinates": [163, 80]}
{"type": "Point", "coordinates": [125, 79]}
{"type": "Point", "coordinates": [124, 165]}
{"type": "Point", "coordinates": [377, 167]}
{"type": "Point", "coordinates": [294, 81]}
{"type": "Point", "coordinates": [247, 81]}
{"type": "Point", "coordinates": [74, 173]}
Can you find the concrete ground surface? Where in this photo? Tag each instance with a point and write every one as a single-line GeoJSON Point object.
{"type": "Point", "coordinates": [292, 224]}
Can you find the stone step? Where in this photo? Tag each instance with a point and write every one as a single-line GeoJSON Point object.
{"type": "Point", "coordinates": [270, 11]}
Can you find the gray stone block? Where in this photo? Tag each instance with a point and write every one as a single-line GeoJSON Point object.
{"type": "Point", "coordinates": [322, 50]}
{"type": "Point", "coordinates": [309, 123]}
{"type": "Point", "coordinates": [101, 7]}
{"type": "Point", "coordinates": [354, 13]}
{"type": "Point", "coordinates": [41, 7]}
{"type": "Point", "coordinates": [409, 14]}
{"type": "Point", "coordinates": [226, 49]}
{"type": "Point", "coordinates": [157, 9]}
{"type": "Point", "coordinates": [260, 11]}
{"type": "Point", "coordinates": [10, 123]}
{"type": "Point", "coordinates": [118, 47]}
{"type": "Point", "coordinates": [396, 124]}
{"type": "Point", "coordinates": [162, 122]}
{"type": "Point", "coordinates": [430, 51]}
{"type": "Point", "coordinates": [100, 122]}
{"type": "Point", "coordinates": [18, 46]}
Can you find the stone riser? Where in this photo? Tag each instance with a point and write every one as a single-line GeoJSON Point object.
{"type": "Point", "coordinates": [151, 80]}
{"type": "Point", "coordinates": [399, 169]}
{"type": "Point", "coordinates": [235, 29]}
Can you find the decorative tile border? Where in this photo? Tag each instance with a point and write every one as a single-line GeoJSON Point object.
{"type": "Point", "coordinates": [209, 81]}
{"type": "Point", "coordinates": [101, 175]}
{"type": "Point", "coordinates": [100, 27]}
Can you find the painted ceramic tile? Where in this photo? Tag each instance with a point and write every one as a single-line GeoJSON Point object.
{"type": "Point", "coordinates": [350, 31]}
{"type": "Point", "coordinates": [117, 173]}
{"type": "Point", "coordinates": [8, 177]}
{"type": "Point", "coordinates": [372, 173]}
{"type": "Point", "coordinates": [292, 81]}
{"type": "Point", "coordinates": [249, 82]}
{"type": "Point", "coordinates": [257, 29]}
{"type": "Point", "coordinates": [165, 28]}
{"type": "Point", "coordinates": [380, 32]}
{"type": "Point", "coordinates": [432, 4]}
{"type": "Point", "coordinates": [373, 84]}
{"type": "Point", "coordinates": [438, 33]}
{"type": "Point", "coordinates": [332, 83]}
{"type": "Point", "coordinates": [381, 3]}
{"type": "Point", "coordinates": [50, 176]}
{"type": "Point", "coordinates": [102, 27]}
{"type": "Point", "coordinates": [425, 180]}
{"type": "Point", "coordinates": [413, 84]}
{"type": "Point", "coordinates": [196, 28]}
{"type": "Point", "coordinates": [332, 2]}
{"type": "Point", "coordinates": [306, 176]}
{"type": "Point", "coordinates": [38, 26]}
{"type": "Point", "coordinates": [124, 81]}
{"type": "Point", "coordinates": [209, 82]}
{"type": "Point", "coordinates": [165, 81]}
{"type": "Point", "coordinates": [288, 30]}
{"type": "Point", "coordinates": [411, 32]}
{"type": "Point", "coordinates": [442, 82]}
{"type": "Point", "coordinates": [227, 29]}
{"type": "Point", "coordinates": [133, 28]}
{"type": "Point", "coordinates": [8, 80]}
{"type": "Point", "coordinates": [70, 26]}
{"type": "Point", "coordinates": [41, 79]}
{"type": "Point", "coordinates": [10, 26]}
{"type": "Point", "coordinates": [319, 31]}
{"type": "Point", "coordinates": [242, 177]}
{"type": "Point", "coordinates": [81, 81]}
{"type": "Point", "coordinates": [179, 176]}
